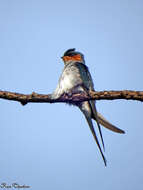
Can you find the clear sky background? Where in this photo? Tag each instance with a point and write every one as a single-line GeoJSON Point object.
{"type": "Point", "coordinates": [49, 146]}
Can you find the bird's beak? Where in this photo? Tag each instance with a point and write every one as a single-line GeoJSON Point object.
{"type": "Point", "coordinates": [62, 57]}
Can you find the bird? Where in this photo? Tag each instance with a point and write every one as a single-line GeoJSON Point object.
{"type": "Point", "coordinates": [76, 77]}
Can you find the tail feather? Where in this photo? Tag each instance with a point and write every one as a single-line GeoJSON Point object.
{"type": "Point", "coordinates": [85, 107]}
{"type": "Point", "coordinates": [94, 112]}
{"type": "Point", "coordinates": [108, 125]}
{"type": "Point", "coordinates": [95, 136]}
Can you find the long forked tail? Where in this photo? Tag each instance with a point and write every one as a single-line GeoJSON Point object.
{"type": "Point", "coordinates": [108, 125]}
{"type": "Point", "coordinates": [95, 115]}
{"type": "Point", "coordinates": [88, 118]}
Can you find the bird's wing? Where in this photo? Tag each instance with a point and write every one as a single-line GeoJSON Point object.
{"type": "Point", "coordinates": [85, 76]}
{"type": "Point", "coordinates": [88, 84]}
{"type": "Point", "coordinates": [107, 124]}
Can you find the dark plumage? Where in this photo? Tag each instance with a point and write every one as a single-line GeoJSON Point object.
{"type": "Point", "coordinates": [70, 52]}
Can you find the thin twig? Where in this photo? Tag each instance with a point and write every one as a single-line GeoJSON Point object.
{"type": "Point", "coordinates": [74, 98]}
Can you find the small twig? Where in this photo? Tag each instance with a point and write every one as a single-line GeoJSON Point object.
{"type": "Point", "coordinates": [74, 98]}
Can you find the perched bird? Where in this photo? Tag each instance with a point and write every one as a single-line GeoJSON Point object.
{"type": "Point", "coordinates": [77, 78]}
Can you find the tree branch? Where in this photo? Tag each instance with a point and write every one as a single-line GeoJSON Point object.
{"type": "Point", "coordinates": [73, 98]}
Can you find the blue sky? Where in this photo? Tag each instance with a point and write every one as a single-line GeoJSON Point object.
{"type": "Point", "coordinates": [49, 146]}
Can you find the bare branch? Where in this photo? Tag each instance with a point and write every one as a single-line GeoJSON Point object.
{"type": "Point", "coordinates": [73, 98]}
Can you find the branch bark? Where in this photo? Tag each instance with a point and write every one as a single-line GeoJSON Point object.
{"type": "Point", "coordinates": [73, 98]}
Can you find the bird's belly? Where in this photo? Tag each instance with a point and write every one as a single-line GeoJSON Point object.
{"type": "Point", "coordinates": [67, 83]}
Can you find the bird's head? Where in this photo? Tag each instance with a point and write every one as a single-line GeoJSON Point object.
{"type": "Point", "coordinates": [72, 56]}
